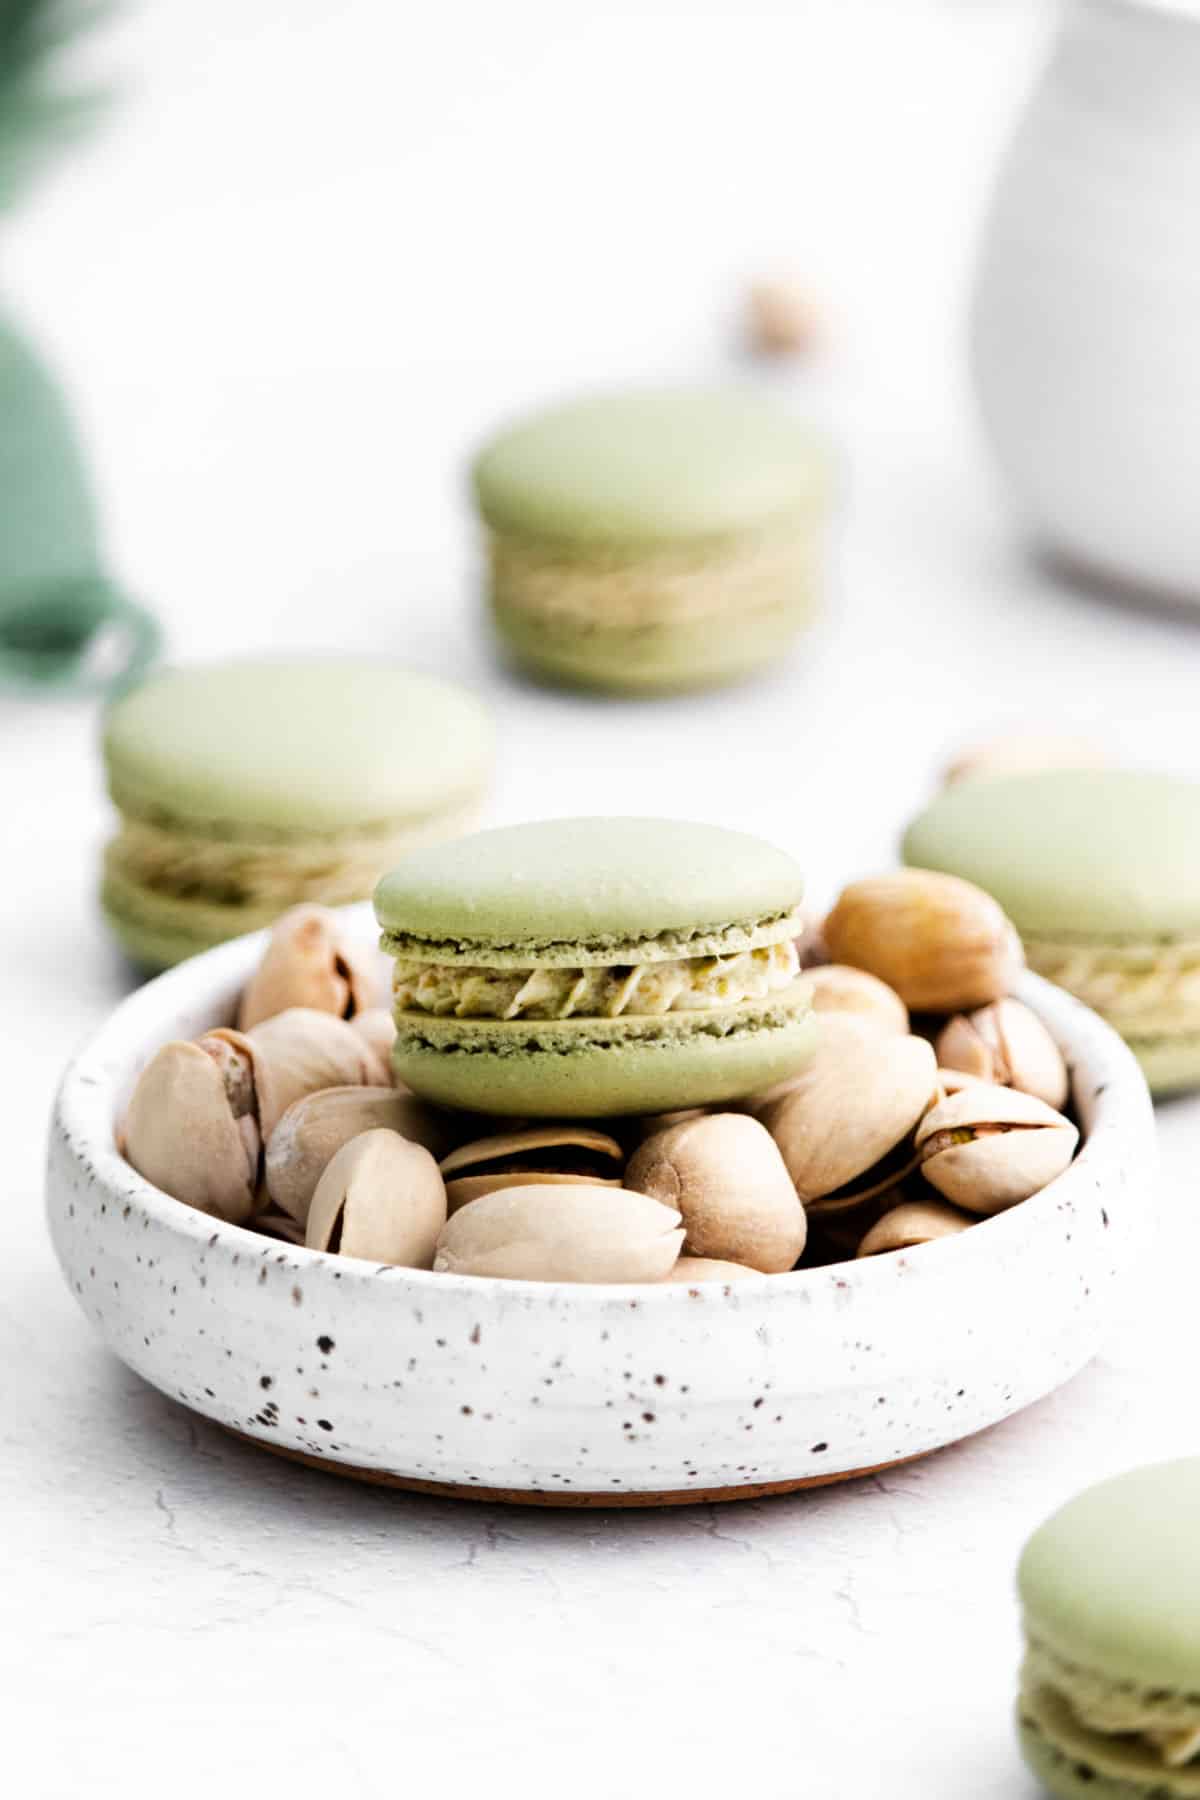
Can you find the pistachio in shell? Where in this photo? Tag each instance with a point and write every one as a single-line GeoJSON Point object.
{"type": "Point", "coordinates": [308, 962]}
{"type": "Point", "coordinates": [534, 1155]}
{"type": "Point", "coordinates": [942, 943]}
{"type": "Point", "coordinates": [859, 996]}
{"type": "Point", "coordinates": [986, 1148]}
{"type": "Point", "coordinates": [562, 1233]}
{"type": "Point", "coordinates": [1006, 1043]}
{"type": "Point", "coordinates": [295, 1053]}
{"type": "Point", "coordinates": [381, 1199]}
{"type": "Point", "coordinates": [843, 1126]}
{"type": "Point", "coordinates": [911, 1223]}
{"type": "Point", "coordinates": [726, 1177]}
{"type": "Point", "coordinates": [314, 1128]}
{"type": "Point", "coordinates": [694, 1270]}
{"type": "Point", "coordinates": [276, 1224]}
{"type": "Point", "coordinates": [182, 1132]}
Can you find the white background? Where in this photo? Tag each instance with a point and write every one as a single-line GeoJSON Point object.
{"type": "Point", "coordinates": [321, 246]}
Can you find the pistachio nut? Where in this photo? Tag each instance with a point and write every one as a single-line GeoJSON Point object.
{"type": "Point", "coordinates": [190, 1129]}
{"type": "Point", "coordinates": [382, 1199]}
{"type": "Point", "coordinates": [693, 1270]}
{"type": "Point", "coordinates": [731, 1187]}
{"type": "Point", "coordinates": [863, 998]}
{"type": "Point", "coordinates": [1025, 753]}
{"type": "Point", "coordinates": [1006, 1043]}
{"type": "Point", "coordinates": [941, 943]}
{"type": "Point", "coordinates": [843, 1126]}
{"type": "Point", "coordinates": [314, 1128]}
{"type": "Point", "coordinates": [913, 1222]}
{"type": "Point", "coordinates": [781, 319]}
{"type": "Point", "coordinates": [986, 1148]}
{"type": "Point", "coordinates": [378, 1027]}
{"type": "Point", "coordinates": [562, 1233]}
{"type": "Point", "coordinates": [295, 1053]}
{"type": "Point", "coordinates": [564, 1149]}
{"type": "Point", "coordinates": [308, 962]}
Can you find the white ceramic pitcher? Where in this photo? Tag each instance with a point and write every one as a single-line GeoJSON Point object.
{"type": "Point", "coordinates": [1086, 316]}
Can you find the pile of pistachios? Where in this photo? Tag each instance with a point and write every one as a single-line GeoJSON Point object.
{"type": "Point", "coordinates": [934, 1099]}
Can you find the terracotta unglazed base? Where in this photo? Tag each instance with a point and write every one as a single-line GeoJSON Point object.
{"type": "Point", "coordinates": [453, 1490]}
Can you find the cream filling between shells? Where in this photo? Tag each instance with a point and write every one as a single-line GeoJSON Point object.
{"type": "Point", "coordinates": [1154, 990]}
{"type": "Point", "coordinates": [690, 984]}
{"type": "Point", "coordinates": [1166, 1724]}
{"type": "Point", "coordinates": [333, 870]}
{"type": "Point", "coordinates": [652, 587]}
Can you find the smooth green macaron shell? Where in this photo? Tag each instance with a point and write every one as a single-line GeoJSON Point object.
{"type": "Point", "coordinates": [1110, 1591]}
{"type": "Point", "coordinates": [656, 538]}
{"type": "Point", "coordinates": [1099, 869]}
{"type": "Point", "coordinates": [621, 895]}
{"type": "Point", "coordinates": [245, 787]}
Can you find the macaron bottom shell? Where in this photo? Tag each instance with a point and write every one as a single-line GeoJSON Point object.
{"type": "Point", "coordinates": [690, 1066]}
{"type": "Point", "coordinates": [661, 658]}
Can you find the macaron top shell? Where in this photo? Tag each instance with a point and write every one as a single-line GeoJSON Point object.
{"type": "Point", "coordinates": [648, 467]}
{"type": "Point", "coordinates": [598, 885]}
{"type": "Point", "coordinates": [1111, 1581]}
{"type": "Point", "coordinates": [304, 745]}
{"type": "Point", "coordinates": [1073, 852]}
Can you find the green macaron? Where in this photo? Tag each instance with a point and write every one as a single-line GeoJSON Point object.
{"type": "Point", "coordinates": [247, 787]}
{"type": "Point", "coordinates": [586, 967]}
{"type": "Point", "coordinates": [652, 539]}
{"type": "Point", "coordinates": [1110, 1593]}
{"type": "Point", "coordinates": [1099, 869]}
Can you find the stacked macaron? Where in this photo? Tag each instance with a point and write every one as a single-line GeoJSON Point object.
{"type": "Point", "coordinates": [247, 787]}
{"type": "Point", "coordinates": [1099, 869]}
{"type": "Point", "coordinates": [1110, 1592]}
{"type": "Point", "coordinates": [651, 539]}
{"type": "Point", "coordinates": [580, 968]}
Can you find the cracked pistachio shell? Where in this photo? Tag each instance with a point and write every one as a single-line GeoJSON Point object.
{"type": "Point", "coordinates": [297, 1052]}
{"type": "Point", "coordinates": [1008, 1044]}
{"type": "Point", "coordinates": [987, 1148]}
{"type": "Point", "coordinates": [837, 988]}
{"type": "Point", "coordinates": [729, 1183]}
{"type": "Point", "coordinates": [378, 1027]}
{"type": "Point", "coordinates": [941, 943]}
{"type": "Point", "coordinates": [562, 1233]}
{"type": "Point", "coordinates": [693, 1270]}
{"type": "Point", "coordinates": [307, 962]}
{"type": "Point", "coordinates": [855, 1104]}
{"type": "Point", "coordinates": [462, 1189]}
{"type": "Point", "coordinates": [511, 1146]}
{"type": "Point", "coordinates": [381, 1199]}
{"type": "Point", "coordinates": [314, 1128]}
{"type": "Point", "coordinates": [180, 1133]}
{"type": "Point", "coordinates": [913, 1222]}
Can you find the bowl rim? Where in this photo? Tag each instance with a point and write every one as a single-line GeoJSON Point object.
{"type": "Point", "coordinates": [1116, 1124]}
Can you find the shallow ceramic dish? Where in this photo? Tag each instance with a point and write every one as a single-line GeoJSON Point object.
{"type": "Point", "coordinates": [589, 1395]}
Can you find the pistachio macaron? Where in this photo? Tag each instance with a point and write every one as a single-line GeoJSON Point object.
{"type": "Point", "coordinates": [1110, 1688]}
{"type": "Point", "coordinates": [246, 787]}
{"type": "Point", "coordinates": [591, 967]}
{"type": "Point", "coordinates": [651, 539]}
{"type": "Point", "coordinates": [1099, 870]}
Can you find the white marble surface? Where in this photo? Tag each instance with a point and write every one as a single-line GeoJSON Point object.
{"type": "Point", "coordinates": [319, 249]}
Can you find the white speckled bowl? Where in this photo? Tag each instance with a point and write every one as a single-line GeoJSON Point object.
{"type": "Point", "coordinates": [589, 1395]}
